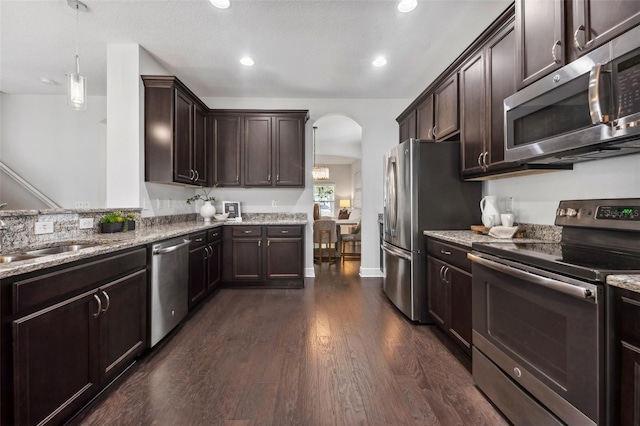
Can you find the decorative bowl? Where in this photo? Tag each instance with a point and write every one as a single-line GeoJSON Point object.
{"type": "Point", "coordinates": [221, 216]}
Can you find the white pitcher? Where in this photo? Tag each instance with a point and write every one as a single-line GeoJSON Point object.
{"type": "Point", "coordinates": [489, 208]}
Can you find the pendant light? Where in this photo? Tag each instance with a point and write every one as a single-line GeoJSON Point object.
{"type": "Point", "coordinates": [319, 173]}
{"type": "Point", "coordinates": [76, 82]}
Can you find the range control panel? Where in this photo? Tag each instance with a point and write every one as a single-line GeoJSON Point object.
{"type": "Point", "coordinates": [621, 214]}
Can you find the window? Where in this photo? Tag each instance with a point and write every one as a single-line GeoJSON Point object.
{"type": "Point", "coordinates": [324, 196]}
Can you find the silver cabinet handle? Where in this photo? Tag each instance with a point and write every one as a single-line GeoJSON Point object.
{"type": "Point", "coordinates": [215, 234]}
{"type": "Point", "coordinates": [447, 252]}
{"type": "Point", "coordinates": [237, 178]}
{"type": "Point", "coordinates": [446, 271]}
{"type": "Point", "coordinates": [284, 232]}
{"type": "Point", "coordinates": [209, 253]}
{"type": "Point", "coordinates": [595, 108]}
{"type": "Point", "coordinates": [579, 46]}
{"type": "Point", "coordinates": [268, 243]}
{"type": "Point", "coordinates": [278, 177]}
{"type": "Point", "coordinates": [434, 131]}
{"type": "Point", "coordinates": [197, 178]}
{"type": "Point", "coordinates": [259, 243]}
{"type": "Point", "coordinates": [192, 174]}
{"type": "Point", "coordinates": [480, 159]}
{"type": "Point", "coordinates": [553, 51]}
{"type": "Point", "coordinates": [442, 272]}
{"type": "Point", "coordinates": [247, 232]}
{"type": "Point", "coordinates": [95, 296]}
{"type": "Point", "coordinates": [484, 159]}
{"type": "Point", "coordinates": [198, 240]}
{"type": "Point", "coordinates": [269, 177]}
{"type": "Point", "coordinates": [106, 297]}
{"type": "Point", "coordinates": [429, 134]}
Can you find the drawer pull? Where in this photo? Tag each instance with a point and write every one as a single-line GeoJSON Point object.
{"type": "Point", "coordinates": [284, 232]}
{"type": "Point", "coordinates": [446, 252]}
{"type": "Point", "coordinates": [247, 232]}
{"type": "Point", "coordinates": [198, 240]}
{"type": "Point", "coordinates": [214, 235]}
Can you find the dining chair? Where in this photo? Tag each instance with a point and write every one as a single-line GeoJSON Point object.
{"type": "Point", "coordinates": [353, 237]}
{"type": "Point", "coordinates": [324, 232]}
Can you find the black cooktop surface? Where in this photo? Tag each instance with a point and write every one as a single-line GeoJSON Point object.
{"type": "Point", "coordinates": [590, 263]}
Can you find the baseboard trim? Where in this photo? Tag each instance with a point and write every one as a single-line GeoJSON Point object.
{"type": "Point", "coordinates": [370, 272]}
{"type": "Point", "coordinates": [309, 273]}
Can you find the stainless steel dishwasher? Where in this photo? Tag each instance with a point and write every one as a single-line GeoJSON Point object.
{"type": "Point", "coordinates": [169, 286]}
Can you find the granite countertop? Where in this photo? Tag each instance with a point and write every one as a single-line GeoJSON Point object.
{"type": "Point", "coordinates": [108, 243]}
{"type": "Point", "coordinates": [629, 282]}
{"type": "Point", "coordinates": [466, 238]}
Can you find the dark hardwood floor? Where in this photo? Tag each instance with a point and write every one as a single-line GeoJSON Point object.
{"type": "Point", "coordinates": [334, 353]}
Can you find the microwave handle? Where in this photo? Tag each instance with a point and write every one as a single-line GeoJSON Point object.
{"type": "Point", "coordinates": [595, 107]}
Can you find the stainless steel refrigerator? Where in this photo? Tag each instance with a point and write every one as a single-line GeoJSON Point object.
{"type": "Point", "coordinates": [422, 191]}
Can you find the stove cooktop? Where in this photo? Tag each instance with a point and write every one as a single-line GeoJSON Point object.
{"type": "Point", "coordinates": [584, 262]}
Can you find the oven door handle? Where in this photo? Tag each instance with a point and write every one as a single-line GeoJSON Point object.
{"type": "Point", "coordinates": [550, 283]}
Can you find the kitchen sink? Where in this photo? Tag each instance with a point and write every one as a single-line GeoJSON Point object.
{"type": "Point", "coordinates": [58, 249]}
{"type": "Point", "coordinates": [8, 258]}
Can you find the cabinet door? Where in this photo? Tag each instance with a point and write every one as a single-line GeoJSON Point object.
{"type": "Point", "coordinates": [202, 158]}
{"type": "Point", "coordinates": [597, 21]}
{"type": "Point", "coordinates": [289, 151]}
{"type": "Point", "coordinates": [214, 264]}
{"type": "Point", "coordinates": [460, 324]}
{"type": "Point", "coordinates": [123, 323]}
{"type": "Point", "coordinates": [55, 361]}
{"type": "Point", "coordinates": [501, 83]}
{"type": "Point", "coordinates": [197, 275]}
{"type": "Point", "coordinates": [284, 258]}
{"type": "Point", "coordinates": [226, 134]}
{"type": "Point", "coordinates": [246, 259]}
{"type": "Point", "coordinates": [446, 108]}
{"type": "Point", "coordinates": [257, 151]}
{"type": "Point", "coordinates": [629, 408]}
{"type": "Point", "coordinates": [473, 114]}
{"type": "Point", "coordinates": [403, 128]}
{"type": "Point", "coordinates": [424, 120]}
{"type": "Point", "coordinates": [182, 146]}
{"type": "Point", "coordinates": [437, 292]}
{"type": "Point", "coordinates": [539, 36]}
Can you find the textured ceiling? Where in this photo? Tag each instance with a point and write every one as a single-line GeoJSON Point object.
{"type": "Point", "coordinates": [302, 48]}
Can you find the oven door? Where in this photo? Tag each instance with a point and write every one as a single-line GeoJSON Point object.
{"type": "Point", "coordinates": [543, 330]}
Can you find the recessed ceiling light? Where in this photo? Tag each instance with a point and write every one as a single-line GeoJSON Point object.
{"type": "Point", "coordinates": [48, 81]}
{"type": "Point", "coordinates": [379, 62]}
{"type": "Point", "coordinates": [407, 5]}
{"type": "Point", "coordinates": [221, 4]}
{"type": "Point", "coordinates": [247, 61]}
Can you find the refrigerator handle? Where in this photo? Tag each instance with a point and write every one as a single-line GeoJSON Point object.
{"type": "Point", "coordinates": [394, 251]}
{"type": "Point", "coordinates": [392, 175]}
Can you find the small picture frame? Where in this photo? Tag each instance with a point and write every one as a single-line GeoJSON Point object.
{"type": "Point", "coordinates": [232, 208]}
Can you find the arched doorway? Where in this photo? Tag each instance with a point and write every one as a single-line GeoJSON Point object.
{"type": "Point", "coordinates": [338, 150]}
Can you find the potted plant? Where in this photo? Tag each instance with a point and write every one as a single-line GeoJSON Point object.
{"type": "Point", "coordinates": [207, 210]}
{"type": "Point", "coordinates": [117, 221]}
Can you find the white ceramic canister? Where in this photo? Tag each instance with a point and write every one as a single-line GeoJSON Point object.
{"type": "Point", "coordinates": [207, 211]}
{"type": "Point", "coordinates": [489, 207]}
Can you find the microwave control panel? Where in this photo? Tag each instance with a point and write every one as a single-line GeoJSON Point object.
{"type": "Point", "coordinates": [628, 85]}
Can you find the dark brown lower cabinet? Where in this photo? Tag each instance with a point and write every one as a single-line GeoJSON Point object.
{"type": "Point", "coordinates": [625, 403]}
{"type": "Point", "coordinates": [263, 256]}
{"type": "Point", "coordinates": [73, 329]}
{"type": "Point", "coordinates": [205, 264]}
{"type": "Point", "coordinates": [449, 291]}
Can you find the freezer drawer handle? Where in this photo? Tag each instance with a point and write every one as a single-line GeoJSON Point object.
{"type": "Point", "coordinates": [568, 289]}
{"type": "Point", "coordinates": [172, 248]}
{"type": "Point", "coordinates": [395, 252]}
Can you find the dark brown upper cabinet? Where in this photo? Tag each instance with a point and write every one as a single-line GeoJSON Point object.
{"type": "Point", "coordinates": [226, 135]}
{"type": "Point", "coordinates": [177, 149]}
{"type": "Point", "coordinates": [540, 39]}
{"type": "Point", "coordinates": [446, 108]}
{"type": "Point", "coordinates": [259, 148]}
{"type": "Point", "coordinates": [408, 127]}
{"type": "Point", "coordinates": [425, 118]}
{"type": "Point", "coordinates": [594, 22]}
{"type": "Point", "coordinates": [486, 79]}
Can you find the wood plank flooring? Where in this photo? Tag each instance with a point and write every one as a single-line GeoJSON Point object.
{"type": "Point", "coordinates": [334, 353]}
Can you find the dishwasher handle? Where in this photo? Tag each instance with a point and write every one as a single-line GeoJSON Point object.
{"type": "Point", "coordinates": [172, 248]}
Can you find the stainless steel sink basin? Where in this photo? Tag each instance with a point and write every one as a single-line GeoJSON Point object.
{"type": "Point", "coordinates": [8, 258]}
{"type": "Point", "coordinates": [59, 249]}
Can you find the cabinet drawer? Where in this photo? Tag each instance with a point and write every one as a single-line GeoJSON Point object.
{"type": "Point", "coordinates": [284, 231]}
{"type": "Point", "coordinates": [247, 231]}
{"type": "Point", "coordinates": [449, 253]}
{"type": "Point", "coordinates": [215, 234]}
{"type": "Point", "coordinates": [197, 240]}
{"type": "Point", "coordinates": [629, 314]}
{"type": "Point", "coordinates": [49, 287]}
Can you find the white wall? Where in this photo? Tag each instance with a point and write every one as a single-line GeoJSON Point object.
{"type": "Point", "coordinates": [379, 133]}
{"type": "Point", "coordinates": [58, 150]}
{"type": "Point", "coordinates": [536, 197]}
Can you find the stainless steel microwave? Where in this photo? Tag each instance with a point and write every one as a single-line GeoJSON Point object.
{"type": "Point", "coordinates": [588, 109]}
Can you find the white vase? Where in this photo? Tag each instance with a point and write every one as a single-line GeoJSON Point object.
{"type": "Point", "coordinates": [207, 211]}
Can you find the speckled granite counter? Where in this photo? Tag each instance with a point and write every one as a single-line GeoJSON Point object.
{"type": "Point", "coordinates": [466, 238]}
{"type": "Point", "coordinates": [629, 282]}
{"type": "Point", "coordinates": [107, 243]}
